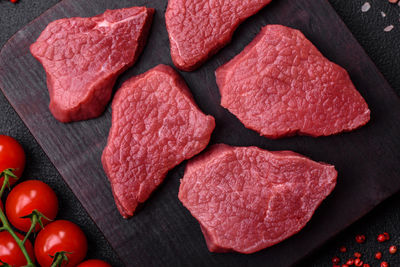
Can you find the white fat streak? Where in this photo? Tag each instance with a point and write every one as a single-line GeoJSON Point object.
{"type": "Point", "coordinates": [105, 23]}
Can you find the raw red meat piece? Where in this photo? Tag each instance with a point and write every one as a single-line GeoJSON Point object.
{"type": "Point", "coordinates": [83, 57]}
{"type": "Point", "coordinates": [281, 85]}
{"type": "Point", "coordinates": [155, 126]}
{"type": "Point", "coordinates": [247, 199]}
{"type": "Point", "coordinates": [200, 28]}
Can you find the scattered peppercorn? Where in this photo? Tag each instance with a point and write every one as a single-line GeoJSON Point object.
{"type": "Point", "coordinates": [360, 239]}
{"type": "Point", "coordinates": [358, 262]}
{"type": "Point", "coordinates": [343, 249]}
{"type": "Point", "coordinates": [378, 255]}
{"type": "Point", "coordinates": [392, 249]}
{"type": "Point", "coordinates": [384, 264]}
{"type": "Point", "coordinates": [335, 260]}
{"type": "Point", "coordinates": [381, 238]}
{"type": "Point", "coordinates": [345, 265]}
{"type": "Point", "coordinates": [336, 265]}
{"type": "Point", "coordinates": [350, 262]}
{"type": "Point", "coordinates": [386, 235]}
{"type": "Point", "coordinates": [366, 265]}
{"type": "Point", "coordinates": [357, 255]}
{"type": "Point", "coordinates": [393, 1]}
{"type": "Point", "coordinates": [13, 1]}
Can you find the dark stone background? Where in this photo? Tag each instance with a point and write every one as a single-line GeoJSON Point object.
{"type": "Point", "coordinates": [382, 47]}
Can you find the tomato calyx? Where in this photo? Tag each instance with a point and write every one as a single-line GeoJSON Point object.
{"type": "Point", "coordinates": [59, 258]}
{"type": "Point", "coordinates": [7, 174]}
{"type": "Point", "coordinates": [5, 264]}
{"type": "Point", "coordinates": [36, 218]}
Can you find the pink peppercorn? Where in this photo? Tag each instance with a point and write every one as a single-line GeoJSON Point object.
{"type": "Point", "coordinates": [392, 249]}
{"type": "Point", "coordinates": [358, 262]}
{"type": "Point", "coordinates": [335, 260]}
{"type": "Point", "coordinates": [386, 235]}
{"type": "Point", "coordinates": [381, 238]}
{"type": "Point", "coordinates": [360, 239]}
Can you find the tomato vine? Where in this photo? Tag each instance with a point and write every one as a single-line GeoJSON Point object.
{"type": "Point", "coordinates": [36, 218]}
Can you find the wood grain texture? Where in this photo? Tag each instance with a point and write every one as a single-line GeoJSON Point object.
{"type": "Point", "coordinates": [163, 233]}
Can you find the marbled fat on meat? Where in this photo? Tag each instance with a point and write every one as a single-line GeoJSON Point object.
{"type": "Point", "coordinates": [155, 126]}
{"type": "Point", "coordinates": [83, 57]}
{"type": "Point", "coordinates": [198, 29]}
{"type": "Point", "coordinates": [247, 199]}
{"type": "Point", "coordinates": [281, 85]}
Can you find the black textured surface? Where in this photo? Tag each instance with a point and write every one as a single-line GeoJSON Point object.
{"type": "Point", "coordinates": [368, 29]}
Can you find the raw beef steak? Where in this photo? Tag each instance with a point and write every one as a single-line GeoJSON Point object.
{"type": "Point", "coordinates": [247, 199]}
{"type": "Point", "coordinates": [199, 28]}
{"type": "Point", "coordinates": [155, 126]}
{"type": "Point", "coordinates": [281, 85]}
{"type": "Point", "coordinates": [83, 57]}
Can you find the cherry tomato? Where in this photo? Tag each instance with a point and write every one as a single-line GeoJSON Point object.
{"type": "Point", "coordinates": [60, 236]}
{"type": "Point", "coordinates": [10, 252]}
{"type": "Point", "coordinates": [94, 263]}
{"type": "Point", "coordinates": [12, 155]}
{"type": "Point", "coordinates": [28, 196]}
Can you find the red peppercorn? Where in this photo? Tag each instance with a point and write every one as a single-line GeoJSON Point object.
{"type": "Point", "coordinates": [358, 262]}
{"type": "Point", "coordinates": [386, 235]}
{"type": "Point", "coordinates": [335, 260]}
{"type": "Point", "coordinates": [366, 265]}
{"type": "Point", "coordinates": [378, 255]}
{"type": "Point", "coordinates": [345, 265]}
{"type": "Point", "coordinates": [392, 249]}
{"type": "Point", "coordinates": [335, 265]}
{"type": "Point", "coordinates": [343, 249]}
{"type": "Point", "coordinates": [384, 264]}
{"type": "Point", "coordinates": [357, 255]}
{"type": "Point", "coordinates": [13, 1]}
{"type": "Point", "coordinates": [360, 239]}
{"type": "Point", "coordinates": [350, 262]}
{"type": "Point", "coordinates": [381, 238]}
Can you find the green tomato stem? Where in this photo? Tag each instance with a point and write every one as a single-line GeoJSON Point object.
{"type": "Point", "coordinates": [59, 258]}
{"type": "Point", "coordinates": [33, 226]}
{"type": "Point", "coordinates": [7, 227]}
{"type": "Point", "coordinates": [3, 187]}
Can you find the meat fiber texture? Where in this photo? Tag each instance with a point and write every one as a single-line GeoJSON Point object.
{"type": "Point", "coordinates": [155, 126]}
{"type": "Point", "coordinates": [198, 29]}
{"type": "Point", "coordinates": [281, 85]}
{"type": "Point", "coordinates": [83, 57]}
{"type": "Point", "coordinates": [247, 199]}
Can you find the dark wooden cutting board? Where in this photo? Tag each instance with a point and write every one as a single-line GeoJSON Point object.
{"type": "Point", "coordinates": [163, 233]}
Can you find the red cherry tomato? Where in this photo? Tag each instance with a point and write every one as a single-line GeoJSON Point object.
{"type": "Point", "coordinates": [12, 155]}
{"type": "Point", "coordinates": [10, 252]}
{"type": "Point", "coordinates": [94, 263]}
{"type": "Point", "coordinates": [60, 236]}
{"type": "Point", "coordinates": [28, 196]}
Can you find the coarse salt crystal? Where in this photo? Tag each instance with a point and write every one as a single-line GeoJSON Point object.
{"type": "Point", "coordinates": [388, 28]}
{"type": "Point", "coordinates": [383, 14]}
{"type": "Point", "coordinates": [365, 7]}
